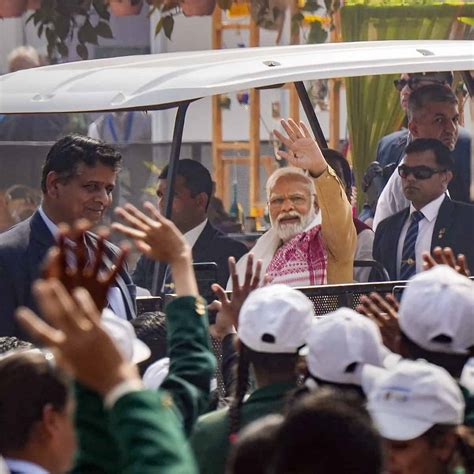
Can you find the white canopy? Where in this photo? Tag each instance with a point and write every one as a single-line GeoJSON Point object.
{"type": "Point", "coordinates": [162, 80]}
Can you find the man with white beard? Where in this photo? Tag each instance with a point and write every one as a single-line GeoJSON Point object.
{"type": "Point", "coordinates": [312, 239]}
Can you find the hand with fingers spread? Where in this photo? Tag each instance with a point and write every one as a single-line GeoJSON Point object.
{"type": "Point", "coordinates": [445, 256]}
{"type": "Point", "coordinates": [228, 315]}
{"type": "Point", "coordinates": [224, 324]}
{"type": "Point", "coordinates": [154, 235]}
{"type": "Point", "coordinates": [159, 239]}
{"type": "Point", "coordinates": [384, 313]}
{"type": "Point", "coordinates": [303, 150]}
{"type": "Point", "coordinates": [72, 329]}
{"type": "Point", "coordinates": [83, 274]}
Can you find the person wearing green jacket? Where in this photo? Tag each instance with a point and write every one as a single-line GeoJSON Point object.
{"type": "Point", "coordinates": [272, 326]}
{"type": "Point", "coordinates": [123, 428]}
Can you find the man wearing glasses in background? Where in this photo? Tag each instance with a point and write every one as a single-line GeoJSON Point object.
{"type": "Point", "coordinates": [432, 218]}
{"type": "Point", "coordinates": [391, 147]}
{"type": "Point", "coordinates": [433, 112]}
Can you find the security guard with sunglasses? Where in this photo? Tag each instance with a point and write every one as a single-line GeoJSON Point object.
{"type": "Point", "coordinates": [391, 148]}
{"type": "Point", "coordinates": [433, 112]}
{"type": "Point", "coordinates": [431, 220]}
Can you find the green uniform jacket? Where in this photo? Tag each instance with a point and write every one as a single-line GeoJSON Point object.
{"type": "Point", "coordinates": [145, 431]}
{"type": "Point", "coordinates": [210, 438]}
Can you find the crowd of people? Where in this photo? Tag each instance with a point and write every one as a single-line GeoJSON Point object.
{"type": "Point", "coordinates": [87, 386]}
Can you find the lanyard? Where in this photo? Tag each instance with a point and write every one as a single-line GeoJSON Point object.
{"type": "Point", "coordinates": [128, 127]}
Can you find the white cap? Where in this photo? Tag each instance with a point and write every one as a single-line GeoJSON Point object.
{"type": "Point", "coordinates": [341, 342]}
{"type": "Point", "coordinates": [437, 311]}
{"type": "Point", "coordinates": [408, 400]}
{"type": "Point", "coordinates": [156, 373]}
{"type": "Point", "coordinates": [275, 319]}
{"type": "Point", "coordinates": [122, 332]}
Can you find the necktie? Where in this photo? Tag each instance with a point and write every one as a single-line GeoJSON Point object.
{"type": "Point", "coordinates": [408, 266]}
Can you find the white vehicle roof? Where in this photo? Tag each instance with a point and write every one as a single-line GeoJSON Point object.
{"type": "Point", "coordinates": [162, 80]}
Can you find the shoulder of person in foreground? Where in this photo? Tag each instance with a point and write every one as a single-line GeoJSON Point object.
{"type": "Point", "coordinates": [145, 421]}
{"type": "Point", "coordinates": [192, 363]}
{"type": "Point", "coordinates": [17, 237]}
{"type": "Point", "coordinates": [209, 441]}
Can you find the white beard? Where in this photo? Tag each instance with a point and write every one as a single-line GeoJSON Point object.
{"type": "Point", "coordinates": [288, 231]}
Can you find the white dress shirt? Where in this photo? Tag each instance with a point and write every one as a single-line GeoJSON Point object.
{"type": "Point", "coordinates": [391, 200]}
{"type": "Point", "coordinates": [24, 466]}
{"type": "Point", "coordinates": [425, 232]}
{"type": "Point", "coordinates": [191, 238]}
{"type": "Point", "coordinates": [114, 296]}
{"type": "Point", "coordinates": [192, 235]}
{"type": "Point", "coordinates": [365, 243]}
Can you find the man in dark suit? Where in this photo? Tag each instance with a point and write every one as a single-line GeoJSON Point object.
{"type": "Point", "coordinates": [391, 147]}
{"type": "Point", "coordinates": [431, 220]}
{"type": "Point", "coordinates": [433, 112]}
{"type": "Point", "coordinates": [192, 193]}
{"type": "Point", "coordinates": [78, 178]}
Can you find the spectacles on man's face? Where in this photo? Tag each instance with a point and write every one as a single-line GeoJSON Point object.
{"type": "Point", "coordinates": [295, 199]}
{"type": "Point", "coordinates": [415, 82]}
{"type": "Point", "coordinates": [419, 172]}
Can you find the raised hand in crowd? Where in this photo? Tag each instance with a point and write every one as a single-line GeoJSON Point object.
{"type": "Point", "coordinates": [159, 239]}
{"type": "Point", "coordinates": [303, 150]}
{"type": "Point", "coordinates": [445, 256]}
{"type": "Point", "coordinates": [71, 248]}
{"type": "Point", "coordinates": [227, 319]}
{"type": "Point", "coordinates": [72, 329]}
{"type": "Point", "coordinates": [384, 313]}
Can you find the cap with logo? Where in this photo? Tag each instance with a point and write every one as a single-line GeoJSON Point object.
{"type": "Point", "coordinates": [275, 319]}
{"type": "Point", "coordinates": [122, 332]}
{"type": "Point", "coordinates": [408, 400]}
{"type": "Point", "coordinates": [340, 343]}
{"type": "Point", "coordinates": [437, 311]}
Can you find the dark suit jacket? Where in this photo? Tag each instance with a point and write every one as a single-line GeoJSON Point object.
{"type": "Point", "coordinates": [454, 227]}
{"type": "Point", "coordinates": [391, 149]}
{"type": "Point", "coordinates": [211, 246]}
{"type": "Point", "coordinates": [22, 250]}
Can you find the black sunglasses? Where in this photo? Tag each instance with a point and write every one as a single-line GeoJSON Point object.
{"type": "Point", "coordinates": [419, 172]}
{"type": "Point", "coordinates": [414, 82]}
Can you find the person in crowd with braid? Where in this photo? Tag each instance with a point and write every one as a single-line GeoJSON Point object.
{"type": "Point", "coordinates": [273, 323]}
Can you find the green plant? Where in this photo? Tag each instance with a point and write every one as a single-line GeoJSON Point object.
{"type": "Point", "coordinates": [59, 20]}
{"type": "Point", "coordinates": [169, 9]}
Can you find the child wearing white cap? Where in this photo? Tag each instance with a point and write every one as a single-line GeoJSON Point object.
{"type": "Point", "coordinates": [273, 324]}
{"type": "Point", "coordinates": [337, 347]}
{"type": "Point", "coordinates": [436, 318]}
{"type": "Point", "coordinates": [417, 408]}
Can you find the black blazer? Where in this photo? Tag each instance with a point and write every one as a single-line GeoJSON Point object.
{"type": "Point", "coordinates": [391, 149]}
{"type": "Point", "coordinates": [22, 250]}
{"type": "Point", "coordinates": [454, 227]}
{"type": "Point", "coordinates": [211, 246]}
